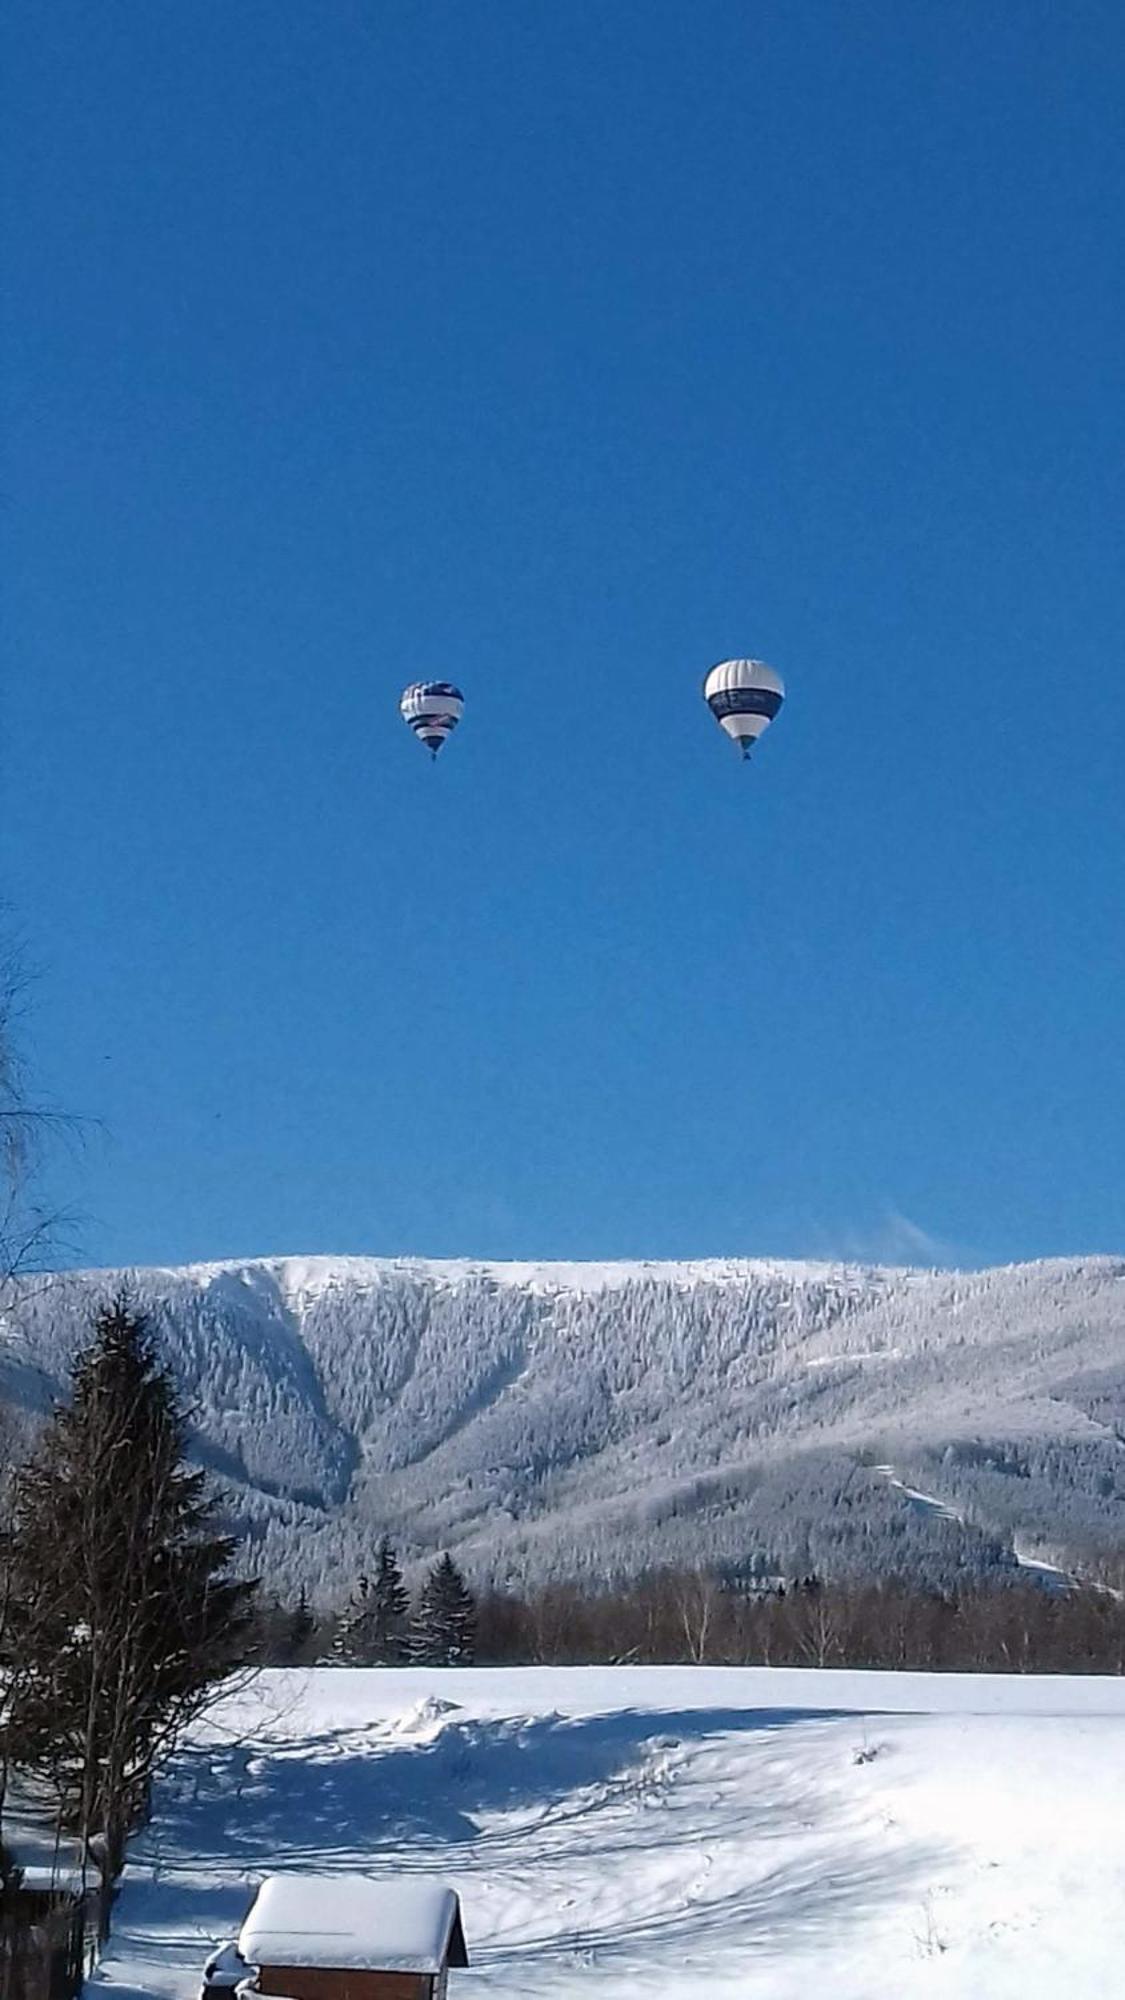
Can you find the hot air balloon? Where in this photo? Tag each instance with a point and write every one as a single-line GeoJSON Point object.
{"type": "Point", "coordinates": [433, 710]}
{"type": "Point", "coordinates": [743, 696]}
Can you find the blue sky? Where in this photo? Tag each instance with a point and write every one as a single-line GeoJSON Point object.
{"type": "Point", "coordinates": [564, 351]}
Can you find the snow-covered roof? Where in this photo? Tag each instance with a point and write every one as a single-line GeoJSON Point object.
{"type": "Point", "coordinates": [54, 1881]}
{"type": "Point", "coordinates": [47, 1860]}
{"type": "Point", "coordinates": [226, 1966]}
{"type": "Point", "coordinates": [348, 1921]}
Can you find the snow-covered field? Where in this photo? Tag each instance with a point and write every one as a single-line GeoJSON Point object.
{"type": "Point", "coordinates": [672, 1831]}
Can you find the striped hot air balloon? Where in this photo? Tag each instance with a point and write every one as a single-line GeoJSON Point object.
{"type": "Point", "coordinates": [743, 696]}
{"type": "Point", "coordinates": [432, 709]}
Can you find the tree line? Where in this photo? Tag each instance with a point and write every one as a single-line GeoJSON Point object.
{"type": "Point", "coordinates": [695, 1617]}
{"type": "Point", "coordinates": [381, 1625]}
{"type": "Point", "coordinates": [692, 1617]}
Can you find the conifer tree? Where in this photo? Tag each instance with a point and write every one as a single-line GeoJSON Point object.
{"type": "Point", "coordinates": [444, 1627]}
{"type": "Point", "coordinates": [122, 1611]}
{"type": "Point", "coordinates": [302, 1627]}
{"type": "Point", "coordinates": [349, 1646]}
{"type": "Point", "coordinates": [372, 1631]}
{"type": "Point", "coordinates": [389, 1607]}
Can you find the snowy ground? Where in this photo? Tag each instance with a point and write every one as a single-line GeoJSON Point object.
{"type": "Point", "coordinates": [668, 1831]}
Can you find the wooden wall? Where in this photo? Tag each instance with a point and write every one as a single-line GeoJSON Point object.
{"type": "Point", "coordinates": [308, 1982]}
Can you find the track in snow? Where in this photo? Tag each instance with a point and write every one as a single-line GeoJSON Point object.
{"type": "Point", "coordinates": [667, 1832]}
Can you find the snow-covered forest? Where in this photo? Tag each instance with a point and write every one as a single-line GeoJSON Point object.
{"type": "Point", "coordinates": [589, 1421]}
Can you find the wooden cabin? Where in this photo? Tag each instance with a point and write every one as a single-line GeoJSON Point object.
{"type": "Point", "coordinates": [352, 1937]}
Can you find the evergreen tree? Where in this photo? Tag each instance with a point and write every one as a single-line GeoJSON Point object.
{"type": "Point", "coordinates": [389, 1607]}
{"type": "Point", "coordinates": [444, 1626]}
{"type": "Point", "coordinates": [302, 1629]}
{"type": "Point", "coordinates": [286, 1634]}
{"type": "Point", "coordinates": [372, 1631]}
{"type": "Point", "coordinates": [122, 1612]}
{"type": "Point", "coordinates": [349, 1647]}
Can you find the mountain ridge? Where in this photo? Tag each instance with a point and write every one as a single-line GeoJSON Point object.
{"type": "Point", "coordinates": [594, 1418]}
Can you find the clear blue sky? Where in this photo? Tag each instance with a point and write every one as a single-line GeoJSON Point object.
{"type": "Point", "coordinates": [564, 350]}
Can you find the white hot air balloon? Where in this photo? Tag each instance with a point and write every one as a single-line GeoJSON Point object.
{"type": "Point", "coordinates": [743, 696]}
{"type": "Point", "coordinates": [432, 709]}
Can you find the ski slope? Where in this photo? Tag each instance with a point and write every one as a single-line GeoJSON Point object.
{"type": "Point", "coordinates": [676, 1832]}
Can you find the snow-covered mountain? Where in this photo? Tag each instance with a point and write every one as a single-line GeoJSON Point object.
{"type": "Point", "coordinates": [550, 1419]}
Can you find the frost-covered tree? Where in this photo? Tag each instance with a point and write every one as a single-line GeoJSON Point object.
{"type": "Point", "coordinates": [443, 1631]}
{"type": "Point", "coordinates": [349, 1643]}
{"type": "Point", "coordinates": [372, 1632]}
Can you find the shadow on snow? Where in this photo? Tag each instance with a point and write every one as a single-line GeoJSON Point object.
{"type": "Point", "coordinates": [594, 1788]}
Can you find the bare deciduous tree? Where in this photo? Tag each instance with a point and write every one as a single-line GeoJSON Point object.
{"type": "Point", "coordinates": [29, 1226]}
{"type": "Point", "coordinates": [699, 1602]}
